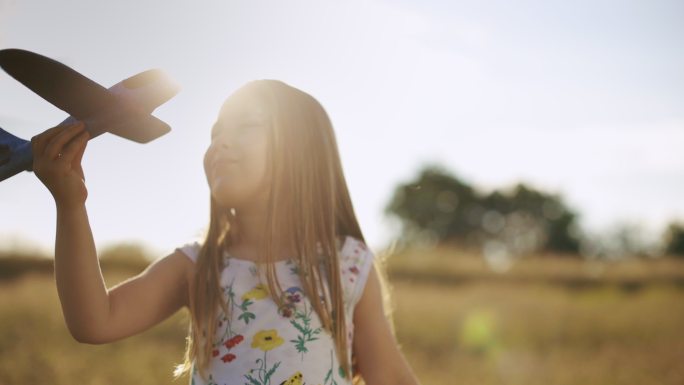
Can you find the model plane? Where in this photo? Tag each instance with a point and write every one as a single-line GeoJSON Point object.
{"type": "Point", "coordinates": [125, 109]}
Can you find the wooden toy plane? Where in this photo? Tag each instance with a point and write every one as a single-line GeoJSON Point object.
{"type": "Point", "coordinates": [124, 109]}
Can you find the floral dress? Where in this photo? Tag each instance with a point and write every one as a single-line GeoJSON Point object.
{"type": "Point", "coordinates": [258, 343]}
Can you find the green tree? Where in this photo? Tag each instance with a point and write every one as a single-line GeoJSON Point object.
{"type": "Point", "coordinates": [444, 206]}
{"type": "Point", "coordinates": [549, 211]}
{"type": "Point", "coordinates": [674, 239]}
{"type": "Point", "coordinates": [436, 202]}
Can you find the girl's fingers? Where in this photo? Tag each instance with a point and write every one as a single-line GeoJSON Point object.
{"type": "Point", "coordinates": [56, 145]}
{"type": "Point", "coordinates": [40, 141]}
{"type": "Point", "coordinates": [82, 147]}
{"type": "Point", "coordinates": [75, 148]}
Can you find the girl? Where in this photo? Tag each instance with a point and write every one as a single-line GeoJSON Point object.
{"type": "Point", "coordinates": [281, 290]}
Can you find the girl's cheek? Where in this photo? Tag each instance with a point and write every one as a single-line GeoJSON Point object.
{"type": "Point", "coordinates": [206, 161]}
{"type": "Point", "coordinates": [208, 156]}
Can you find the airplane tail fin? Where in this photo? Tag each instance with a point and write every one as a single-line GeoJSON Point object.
{"type": "Point", "coordinates": [141, 94]}
{"type": "Point", "coordinates": [148, 89]}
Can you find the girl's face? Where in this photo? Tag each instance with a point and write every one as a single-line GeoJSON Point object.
{"type": "Point", "coordinates": [235, 163]}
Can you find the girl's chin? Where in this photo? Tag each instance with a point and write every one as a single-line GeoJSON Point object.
{"type": "Point", "coordinates": [223, 195]}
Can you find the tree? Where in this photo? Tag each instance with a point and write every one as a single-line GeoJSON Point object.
{"type": "Point", "coordinates": [549, 211]}
{"type": "Point", "coordinates": [674, 239]}
{"type": "Point", "coordinates": [436, 202]}
{"type": "Point", "coordinates": [444, 207]}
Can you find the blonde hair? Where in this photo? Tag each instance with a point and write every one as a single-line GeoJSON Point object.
{"type": "Point", "coordinates": [309, 205]}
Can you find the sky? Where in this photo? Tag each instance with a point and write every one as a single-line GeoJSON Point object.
{"type": "Point", "coordinates": [582, 98]}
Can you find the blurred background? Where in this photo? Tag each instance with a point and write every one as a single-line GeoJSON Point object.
{"type": "Point", "coordinates": [515, 166]}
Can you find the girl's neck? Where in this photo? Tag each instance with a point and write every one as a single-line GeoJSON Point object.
{"type": "Point", "coordinates": [250, 226]}
{"type": "Point", "coordinates": [251, 235]}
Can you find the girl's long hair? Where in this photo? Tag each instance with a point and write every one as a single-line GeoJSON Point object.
{"type": "Point", "coordinates": [309, 205]}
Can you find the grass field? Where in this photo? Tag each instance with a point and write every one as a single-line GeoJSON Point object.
{"type": "Point", "coordinates": [544, 321]}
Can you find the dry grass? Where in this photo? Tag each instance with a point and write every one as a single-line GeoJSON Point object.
{"type": "Point", "coordinates": [544, 320]}
{"type": "Point", "coordinates": [538, 334]}
{"type": "Point", "coordinates": [457, 321]}
{"type": "Point", "coordinates": [449, 266]}
{"type": "Point", "coordinates": [36, 347]}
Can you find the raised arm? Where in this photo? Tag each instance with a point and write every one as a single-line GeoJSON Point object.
{"type": "Point", "coordinates": [378, 356]}
{"type": "Point", "coordinates": [92, 313]}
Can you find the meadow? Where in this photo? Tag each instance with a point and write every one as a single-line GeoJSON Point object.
{"type": "Point", "coordinates": [545, 320]}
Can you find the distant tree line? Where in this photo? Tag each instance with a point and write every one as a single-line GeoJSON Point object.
{"type": "Point", "coordinates": [438, 207]}
{"type": "Point", "coordinates": [674, 239]}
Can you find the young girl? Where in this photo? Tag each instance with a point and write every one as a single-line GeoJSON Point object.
{"type": "Point", "coordinates": [282, 290]}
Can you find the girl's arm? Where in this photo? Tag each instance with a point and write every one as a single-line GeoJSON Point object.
{"type": "Point", "coordinates": [92, 313]}
{"type": "Point", "coordinates": [378, 357]}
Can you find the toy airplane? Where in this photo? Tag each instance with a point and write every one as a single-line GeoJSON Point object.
{"type": "Point", "coordinates": [124, 109]}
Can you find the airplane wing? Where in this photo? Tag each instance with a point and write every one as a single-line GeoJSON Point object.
{"type": "Point", "coordinates": [124, 109]}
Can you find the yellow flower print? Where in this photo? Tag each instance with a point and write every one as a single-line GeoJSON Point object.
{"type": "Point", "coordinates": [260, 291]}
{"type": "Point", "coordinates": [267, 340]}
{"type": "Point", "coordinates": [295, 379]}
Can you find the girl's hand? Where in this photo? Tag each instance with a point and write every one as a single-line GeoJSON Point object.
{"type": "Point", "coordinates": [57, 155]}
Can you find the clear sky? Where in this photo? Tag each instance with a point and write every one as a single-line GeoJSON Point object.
{"type": "Point", "coordinates": [583, 98]}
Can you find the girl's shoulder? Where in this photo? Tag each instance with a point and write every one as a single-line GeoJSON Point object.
{"type": "Point", "coordinates": [354, 249]}
{"type": "Point", "coordinates": [356, 261]}
{"type": "Point", "coordinates": [191, 249]}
